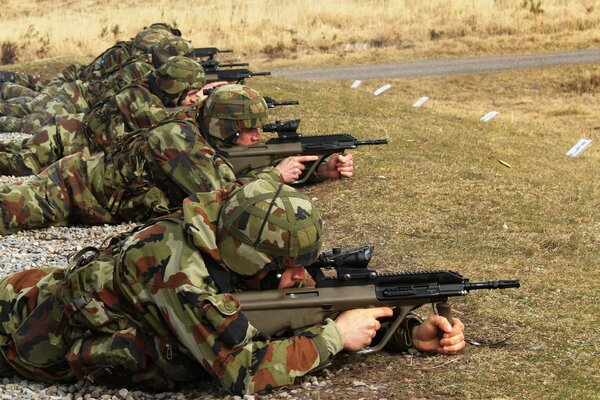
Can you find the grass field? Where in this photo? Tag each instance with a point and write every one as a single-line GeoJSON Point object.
{"type": "Point", "coordinates": [437, 196]}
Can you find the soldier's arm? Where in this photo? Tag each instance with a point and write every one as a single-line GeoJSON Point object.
{"type": "Point", "coordinates": [243, 359]}
{"type": "Point", "coordinates": [269, 173]}
{"type": "Point", "coordinates": [187, 159]}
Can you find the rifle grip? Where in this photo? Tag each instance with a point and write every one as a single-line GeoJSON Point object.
{"type": "Point", "coordinates": [444, 309]}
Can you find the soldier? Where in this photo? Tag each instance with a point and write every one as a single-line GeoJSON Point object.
{"type": "Point", "coordinates": [80, 96]}
{"type": "Point", "coordinates": [138, 106]}
{"type": "Point", "coordinates": [19, 84]}
{"type": "Point", "coordinates": [158, 307]}
{"type": "Point", "coordinates": [225, 122]}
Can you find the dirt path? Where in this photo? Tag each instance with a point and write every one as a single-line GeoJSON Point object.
{"type": "Point", "coordinates": [408, 69]}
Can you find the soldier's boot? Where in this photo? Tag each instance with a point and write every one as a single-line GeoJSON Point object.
{"type": "Point", "coordinates": [7, 76]}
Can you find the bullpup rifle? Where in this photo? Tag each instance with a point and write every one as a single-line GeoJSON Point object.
{"type": "Point", "coordinates": [354, 285]}
{"type": "Point", "coordinates": [290, 143]}
{"type": "Point", "coordinates": [234, 75]}
{"type": "Point", "coordinates": [209, 52]}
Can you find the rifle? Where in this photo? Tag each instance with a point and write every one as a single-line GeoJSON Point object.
{"type": "Point", "coordinates": [209, 52]}
{"type": "Point", "coordinates": [211, 66]}
{"type": "Point", "coordinates": [233, 75]}
{"type": "Point", "coordinates": [354, 285]}
{"type": "Point", "coordinates": [290, 143]}
{"type": "Point", "coordinates": [272, 103]}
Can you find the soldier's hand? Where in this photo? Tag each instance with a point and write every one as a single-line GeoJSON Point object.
{"type": "Point", "coordinates": [359, 326]}
{"type": "Point", "coordinates": [425, 336]}
{"type": "Point", "coordinates": [200, 94]}
{"type": "Point", "coordinates": [337, 166]}
{"type": "Point", "coordinates": [291, 168]}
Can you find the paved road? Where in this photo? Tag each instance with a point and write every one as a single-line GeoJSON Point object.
{"type": "Point", "coordinates": [407, 69]}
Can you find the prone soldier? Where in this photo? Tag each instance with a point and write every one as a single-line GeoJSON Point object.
{"type": "Point", "coordinates": [158, 307]}
{"type": "Point", "coordinates": [26, 114]}
{"type": "Point", "coordinates": [135, 107]}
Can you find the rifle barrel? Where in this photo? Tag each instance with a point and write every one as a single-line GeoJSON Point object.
{"type": "Point", "coordinates": [371, 142]}
{"type": "Point", "coordinates": [493, 284]}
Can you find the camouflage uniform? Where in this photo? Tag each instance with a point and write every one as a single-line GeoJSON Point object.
{"type": "Point", "coordinates": [107, 62]}
{"type": "Point", "coordinates": [148, 172]}
{"type": "Point", "coordinates": [133, 108]}
{"type": "Point", "coordinates": [80, 96]}
{"type": "Point", "coordinates": [148, 309]}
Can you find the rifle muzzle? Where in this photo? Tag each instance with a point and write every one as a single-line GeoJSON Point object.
{"type": "Point", "coordinates": [506, 284]}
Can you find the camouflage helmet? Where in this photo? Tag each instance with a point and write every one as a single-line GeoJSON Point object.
{"type": "Point", "coordinates": [168, 47]}
{"type": "Point", "coordinates": [267, 225]}
{"type": "Point", "coordinates": [177, 75]}
{"type": "Point", "coordinates": [231, 108]}
{"type": "Point", "coordinates": [143, 41]}
{"type": "Point", "coordinates": [167, 27]}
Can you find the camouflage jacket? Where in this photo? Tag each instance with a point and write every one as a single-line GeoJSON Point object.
{"type": "Point", "coordinates": [146, 310]}
{"type": "Point", "coordinates": [133, 108]}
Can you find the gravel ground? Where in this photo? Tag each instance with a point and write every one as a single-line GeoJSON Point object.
{"type": "Point", "coordinates": [50, 248]}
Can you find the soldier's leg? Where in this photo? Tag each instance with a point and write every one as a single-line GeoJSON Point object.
{"type": "Point", "coordinates": [30, 326]}
{"type": "Point", "coordinates": [61, 195]}
{"type": "Point", "coordinates": [13, 109]}
{"type": "Point", "coordinates": [54, 142]}
{"type": "Point", "coordinates": [31, 123]}
{"type": "Point", "coordinates": [9, 90]}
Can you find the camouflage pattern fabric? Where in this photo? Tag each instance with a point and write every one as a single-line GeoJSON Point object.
{"type": "Point", "coordinates": [31, 155]}
{"type": "Point", "coordinates": [148, 172]}
{"type": "Point", "coordinates": [10, 90]}
{"type": "Point", "coordinates": [132, 109]}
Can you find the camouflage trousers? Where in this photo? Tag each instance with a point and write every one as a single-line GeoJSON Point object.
{"type": "Point", "coordinates": [30, 156]}
{"type": "Point", "coordinates": [63, 325]}
{"type": "Point", "coordinates": [10, 90]}
{"type": "Point", "coordinates": [69, 98]}
{"type": "Point", "coordinates": [81, 190]}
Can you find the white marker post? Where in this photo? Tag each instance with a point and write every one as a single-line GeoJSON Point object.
{"type": "Point", "coordinates": [579, 147]}
{"type": "Point", "coordinates": [382, 89]}
{"type": "Point", "coordinates": [356, 84]}
{"type": "Point", "coordinates": [421, 101]}
{"type": "Point", "coordinates": [489, 116]}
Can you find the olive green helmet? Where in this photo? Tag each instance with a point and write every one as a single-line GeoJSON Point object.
{"type": "Point", "coordinates": [267, 225]}
{"type": "Point", "coordinates": [169, 47]}
{"type": "Point", "coordinates": [167, 27]}
{"type": "Point", "coordinates": [178, 75]}
{"type": "Point", "coordinates": [143, 41]}
{"type": "Point", "coordinates": [231, 108]}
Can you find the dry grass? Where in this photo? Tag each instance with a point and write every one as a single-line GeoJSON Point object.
{"type": "Point", "coordinates": [437, 197]}
{"type": "Point", "coordinates": [331, 32]}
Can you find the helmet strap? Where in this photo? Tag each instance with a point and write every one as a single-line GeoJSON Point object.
{"type": "Point", "coordinates": [266, 217]}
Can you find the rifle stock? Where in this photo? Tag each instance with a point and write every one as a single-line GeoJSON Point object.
{"type": "Point", "coordinates": [277, 312]}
